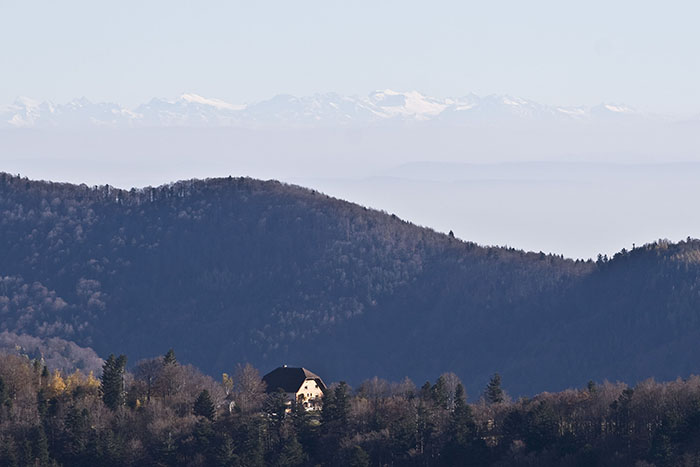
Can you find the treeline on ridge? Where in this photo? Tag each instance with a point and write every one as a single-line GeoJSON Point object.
{"type": "Point", "coordinates": [275, 273]}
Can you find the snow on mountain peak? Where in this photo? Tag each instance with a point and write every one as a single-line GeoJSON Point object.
{"type": "Point", "coordinates": [618, 108]}
{"type": "Point", "coordinates": [407, 104]}
{"type": "Point", "coordinates": [217, 103]}
{"type": "Point", "coordinates": [386, 105]}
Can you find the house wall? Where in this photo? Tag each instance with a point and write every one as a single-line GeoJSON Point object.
{"type": "Point", "coordinates": [310, 393]}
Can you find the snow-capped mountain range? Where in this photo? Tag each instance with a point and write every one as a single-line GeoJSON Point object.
{"type": "Point", "coordinates": [380, 107]}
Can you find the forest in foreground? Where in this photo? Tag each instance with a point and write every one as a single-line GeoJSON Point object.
{"type": "Point", "coordinates": [164, 413]}
{"type": "Point", "coordinates": [274, 274]}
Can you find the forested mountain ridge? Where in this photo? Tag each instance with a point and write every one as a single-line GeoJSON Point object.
{"type": "Point", "coordinates": [234, 269]}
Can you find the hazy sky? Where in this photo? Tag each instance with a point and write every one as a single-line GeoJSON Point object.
{"type": "Point", "coordinates": [556, 52]}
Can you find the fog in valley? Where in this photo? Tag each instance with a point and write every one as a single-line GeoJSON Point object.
{"type": "Point", "coordinates": [574, 188]}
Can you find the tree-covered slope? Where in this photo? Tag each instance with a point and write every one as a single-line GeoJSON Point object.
{"type": "Point", "coordinates": [231, 270]}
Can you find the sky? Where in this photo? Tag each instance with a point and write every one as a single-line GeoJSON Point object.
{"type": "Point", "coordinates": [640, 53]}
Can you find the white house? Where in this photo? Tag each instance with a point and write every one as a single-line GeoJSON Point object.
{"type": "Point", "coordinates": [300, 385]}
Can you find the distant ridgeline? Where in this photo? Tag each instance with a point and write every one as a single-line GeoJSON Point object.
{"type": "Point", "coordinates": [235, 270]}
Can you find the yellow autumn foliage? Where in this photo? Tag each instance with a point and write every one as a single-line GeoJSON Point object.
{"type": "Point", "coordinates": [57, 385]}
{"type": "Point", "coordinates": [74, 380]}
{"type": "Point", "coordinates": [227, 381]}
{"type": "Point", "coordinates": [92, 382]}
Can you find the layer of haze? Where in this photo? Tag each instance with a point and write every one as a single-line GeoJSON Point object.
{"type": "Point", "coordinates": [578, 192]}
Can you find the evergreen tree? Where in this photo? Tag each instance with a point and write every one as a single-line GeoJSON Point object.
{"type": "Point", "coordinates": [292, 453]}
{"type": "Point", "coordinates": [224, 454]}
{"type": "Point", "coordinates": [37, 365]}
{"type": "Point", "coordinates": [8, 453]}
{"type": "Point", "coordinates": [464, 446]}
{"type": "Point", "coordinates": [426, 391]}
{"type": "Point", "coordinates": [440, 394]}
{"type": "Point", "coordinates": [26, 452]}
{"type": "Point", "coordinates": [3, 394]}
{"type": "Point", "coordinates": [110, 449]}
{"type": "Point", "coordinates": [42, 402]}
{"type": "Point", "coordinates": [252, 447]}
{"type": "Point", "coordinates": [334, 422]}
{"type": "Point", "coordinates": [41, 445]}
{"type": "Point", "coordinates": [76, 437]}
{"type": "Point", "coordinates": [112, 384]}
{"type": "Point", "coordinates": [276, 406]}
{"type": "Point", "coordinates": [306, 429]}
{"type": "Point", "coordinates": [357, 457]}
{"type": "Point", "coordinates": [342, 402]}
{"type": "Point", "coordinates": [203, 406]}
{"type": "Point", "coordinates": [169, 358]}
{"type": "Point", "coordinates": [591, 386]}
{"type": "Point", "coordinates": [541, 427]}
{"type": "Point", "coordinates": [336, 407]}
{"type": "Point", "coordinates": [425, 426]}
{"type": "Point", "coordinates": [494, 393]}
{"type": "Point", "coordinates": [461, 401]}
{"type": "Point", "coordinates": [204, 438]}
{"type": "Point", "coordinates": [167, 450]}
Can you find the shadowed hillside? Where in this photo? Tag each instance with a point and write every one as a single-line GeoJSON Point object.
{"type": "Point", "coordinates": [232, 270]}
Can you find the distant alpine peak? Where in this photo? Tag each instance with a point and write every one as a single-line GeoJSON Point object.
{"type": "Point", "coordinates": [385, 106]}
{"type": "Point", "coordinates": [618, 108]}
{"type": "Point", "coordinates": [217, 103]}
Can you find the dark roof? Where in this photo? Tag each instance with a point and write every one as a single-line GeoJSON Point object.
{"type": "Point", "coordinates": [290, 379]}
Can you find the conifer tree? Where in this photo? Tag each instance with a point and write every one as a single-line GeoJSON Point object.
{"type": "Point", "coordinates": [250, 437]}
{"type": "Point", "coordinates": [334, 421]}
{"type": "Point", "coordinates": [336, 406]}
{"type": "Point", "coordinates": [169, 358]}
{"type": "Point", "coordinates": [591, 386]}
{"type": "Point", "coordinates": [292, 453]}
{"type": "Point", "coordinates": [426, 391]}
{"type": "Point", "coordinates": [440, 394]}
{"type": "Point", "coordinates": [462, 437]}
{"type": "Point", "coordinates": [224, 453]}
{"type": "Point", "coordinates": [357, 457]}
{"type": "Point", "coordinates": [77, 435]}
{"type": "Point", "coordinates": [41, 445]}
{"type": "Point", "coordinates": [203, 406]}
{"type": "Point", "coordinates": [42, 402]}
{"type": "Point", "coordinates": [276, 405]}
{"type": "Point", "coordinates": [494, 393]}
{"type": "Point", "coordinates": [8, 453]}
{"type": "Point", "coordinates": [112, 383]}
{"type": "Point", "coordinates": [3, 392]}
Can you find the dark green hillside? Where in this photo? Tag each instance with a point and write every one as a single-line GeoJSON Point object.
{"type": "Point", "coordinates": [231, 270]}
